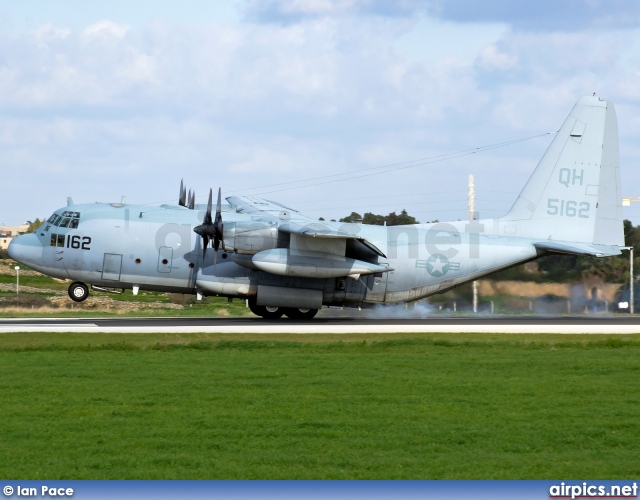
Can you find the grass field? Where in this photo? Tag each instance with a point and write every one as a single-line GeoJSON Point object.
{"type": "Point", "coordinates": [207, 406]}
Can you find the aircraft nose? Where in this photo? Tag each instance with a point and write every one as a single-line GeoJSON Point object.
{"type": "Point", "coordinates": [25, 249]}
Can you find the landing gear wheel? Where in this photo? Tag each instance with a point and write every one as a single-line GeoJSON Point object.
{"type": "Point", "coordinates": [272, 312]}
{"type": "Point", "coordinates": [255, 309]}
{"type": "Point", "coordinates": [267, 312]}
{"type": "Point", "coordinates": [300, 313]}
{"type": "Point", "coordinates": [78, 291]}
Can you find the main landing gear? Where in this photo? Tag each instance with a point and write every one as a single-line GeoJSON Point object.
{"type": "Point", "coordinates": [300, 313]}
{"type": "Point", "coordinates": [78, 291]}
{"type": "Point", "coordinates": [272, 312]}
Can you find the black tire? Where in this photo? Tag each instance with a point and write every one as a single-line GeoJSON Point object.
{"type": "Point", "coordinates": [266, 312]}
{"type": "Point", "coordinates": [78, 291]}
{"type": "Point", "coordinates": [272, 312]}
{"type": "Point", "coordinates": [293, 313]}
{"type": "Point", "coordinates": [255, 309]}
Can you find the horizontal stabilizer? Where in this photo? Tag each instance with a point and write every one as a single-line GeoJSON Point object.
{"type": "Point", "coordinates": [578, 248]}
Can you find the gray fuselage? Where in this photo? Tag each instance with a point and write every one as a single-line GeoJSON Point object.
{"type": "Point", "coordinates": [124, 246]}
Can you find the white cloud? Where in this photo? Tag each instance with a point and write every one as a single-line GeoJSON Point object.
{"type": "Point", "coordinates": [492, 58]}
{"type": "Point", "coordinates": [111, 109]}
{"type": "Point", "coordinates": [318, 7]}
{"type": "Point", "coordinates": [105, 29]}
{"type": "Point", "coordinates": [294, 11]}
{"type": "Point", "coordinates": [49, 33]}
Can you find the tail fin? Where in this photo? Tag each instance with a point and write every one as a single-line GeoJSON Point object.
{"type": "Point", "coordinates": [573, 194]}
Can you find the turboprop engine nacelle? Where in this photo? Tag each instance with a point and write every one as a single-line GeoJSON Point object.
{"type": "Point", "coordinates": [304, 264]}
{"type": "Point", "coordinates": [249, 238]}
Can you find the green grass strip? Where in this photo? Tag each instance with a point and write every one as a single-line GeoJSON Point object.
{"type": "Point", "coordinates": [403, 406]}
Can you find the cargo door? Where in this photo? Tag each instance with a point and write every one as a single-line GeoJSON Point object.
{"type": "Point", "coordinates": [111, 266]}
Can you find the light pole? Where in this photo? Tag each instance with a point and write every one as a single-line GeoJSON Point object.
{"type": "Point", "coordinates": [18, 284]}
{"type": "Point", "coordinates": [631, 305]}
{"type": "Point", "coordinates": [473, 216]}
{"type": "Point", "coordinates": [626, 202]}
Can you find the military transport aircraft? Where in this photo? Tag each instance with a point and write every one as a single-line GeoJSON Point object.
{"type": "Point", "coordinates": [285, 263]}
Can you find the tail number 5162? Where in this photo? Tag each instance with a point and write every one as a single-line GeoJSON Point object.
{"type": "Point", "coordinates": [568, 208]}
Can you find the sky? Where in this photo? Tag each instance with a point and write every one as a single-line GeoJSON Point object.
{"type": "Point", "coordinates": [326, 106]}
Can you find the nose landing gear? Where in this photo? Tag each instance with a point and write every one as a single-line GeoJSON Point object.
{"type": "Point", "coordinates": [78, 291]}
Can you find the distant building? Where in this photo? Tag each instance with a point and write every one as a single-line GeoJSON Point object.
{"type": "Point", "coordinates": [7, 233]}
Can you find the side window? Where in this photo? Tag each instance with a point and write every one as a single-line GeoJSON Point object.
{"type": "Point", "coordinates": [60, 240]}
{"type": "Point", "coordinates": [64, 222]}
{"type": "Point", "coordinates": [73, 223]}
{"type": "Point", "coordinates": [54, 239]}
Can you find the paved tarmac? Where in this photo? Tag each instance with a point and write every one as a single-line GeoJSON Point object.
{"type": "Point", "coordinates": [503, 324]}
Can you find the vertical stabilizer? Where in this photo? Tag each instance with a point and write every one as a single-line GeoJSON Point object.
{"type": "Point", "coordinates": [574, 192]}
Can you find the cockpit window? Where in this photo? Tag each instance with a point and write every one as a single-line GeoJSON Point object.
{"type": "Point", "coordinates": [67, 219]}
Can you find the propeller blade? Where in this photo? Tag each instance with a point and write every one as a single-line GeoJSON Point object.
{"type": "Point", "coordinates": [210, 230]}
{"type": "Point", "coordinates": [192, 200]}
{"type": "Point", "coordinates": [205, 244]}
{"type": "Point", "coordinates": [182, 193]}
{"type": "Point", "coordinates": [207, 217]}
{"type": "Point", "coordinates": [218, 225]}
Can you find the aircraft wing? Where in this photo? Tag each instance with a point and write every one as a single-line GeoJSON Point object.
{"type": "Point", "coordinates": [318, 230]}
{"type": "Point", "coordinates": [257, 206]}
{"type": "Point", "coordinates": [292, 221]}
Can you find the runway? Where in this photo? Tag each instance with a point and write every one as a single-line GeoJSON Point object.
{"type": "Point", "coordinates": [516, 325]}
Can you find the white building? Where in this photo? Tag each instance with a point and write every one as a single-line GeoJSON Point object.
{"type": "Point", "coordinates": [7, 233]}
